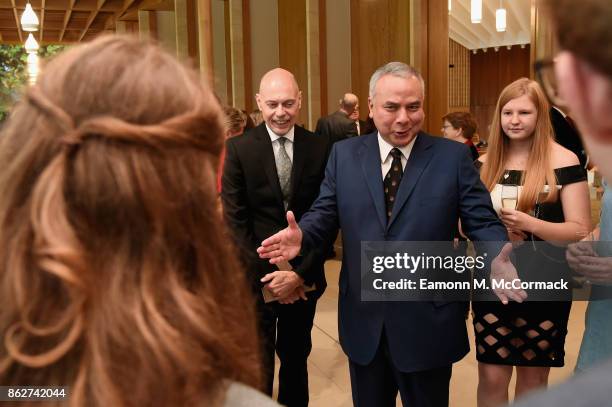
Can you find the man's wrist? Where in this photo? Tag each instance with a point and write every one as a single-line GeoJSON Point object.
{"type": "Point", "coordinates": [298, 278]}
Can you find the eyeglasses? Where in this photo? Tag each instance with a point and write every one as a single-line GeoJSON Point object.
{"type": "Point", "coordinates": [545, 74]}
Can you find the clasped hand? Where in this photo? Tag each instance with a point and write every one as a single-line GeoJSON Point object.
{"type": "Point", "coordinates": [287, 286]}
{"type": "Point", "coordinates": [582, 257]}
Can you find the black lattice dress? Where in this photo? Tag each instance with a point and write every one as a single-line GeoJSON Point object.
{"type": "Point", "coordinates": [530, 333]}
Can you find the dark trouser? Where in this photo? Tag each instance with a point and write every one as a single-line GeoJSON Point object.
{"type": "Point", "coordinates": [377, 383]}
{"type": "Point", "coordinates": [286, 329]}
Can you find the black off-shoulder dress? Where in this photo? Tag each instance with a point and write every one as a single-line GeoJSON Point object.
{"type": "Point", "coordinates": [530, 333]}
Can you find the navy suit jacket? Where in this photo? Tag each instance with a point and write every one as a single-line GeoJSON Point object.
{"type": "Point", "coordinates": [440, 185]}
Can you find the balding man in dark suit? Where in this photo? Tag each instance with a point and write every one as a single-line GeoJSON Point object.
{"type": "Point", "coordinates": [338, 125]}
{"type": "Point", "coordinates": [275, 167]}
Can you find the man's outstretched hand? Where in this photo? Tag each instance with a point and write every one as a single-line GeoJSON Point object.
{"type": "Point", "coordinates": [284, 245]}
{"type": "Point", "coordinates": [503, 269]}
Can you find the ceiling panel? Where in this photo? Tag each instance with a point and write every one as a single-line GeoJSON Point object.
{"type": "Point", "coordinates": [484, 34]}
{"type": "Point", "coordinates": [62, 21]}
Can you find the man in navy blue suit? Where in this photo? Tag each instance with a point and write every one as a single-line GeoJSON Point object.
{"type": "Point", "coordinates": [397, 184]}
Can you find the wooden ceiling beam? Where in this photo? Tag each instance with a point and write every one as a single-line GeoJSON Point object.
{"type": "Point", "coordinates": [17, 21]}
{"type": "Point", "coordinates": [126, 6]}
{"type": "Point", "coordinates": [42, 22]}
{"type": "Point", "coordinates": [111, 23]}
{"type": "Point", "coordinates": [66, 19]}
{"type": "Point", "coordinates": [92, 17]}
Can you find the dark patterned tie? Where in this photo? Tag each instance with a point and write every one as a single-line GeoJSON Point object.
{"type": "Point", "coordinates": [392, 180]}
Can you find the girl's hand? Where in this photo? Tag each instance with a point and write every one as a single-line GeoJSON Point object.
{"type": "Point", "coordinates": [517, 220]}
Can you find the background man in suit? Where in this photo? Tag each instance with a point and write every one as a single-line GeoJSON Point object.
{"type": "Point", "coordinates": [338, 125]}
{"type": "Point", "coordinates": [392, 185]}
{"type": "Point", "coordinates": [567, 135]}
{"type": "Point", "coordinates": [363, 126]}
{"type": "Point", "coordinates": [274, 167]}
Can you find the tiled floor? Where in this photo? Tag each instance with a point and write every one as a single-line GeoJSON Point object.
{"type": "Point", "coordinates": [328, 367]}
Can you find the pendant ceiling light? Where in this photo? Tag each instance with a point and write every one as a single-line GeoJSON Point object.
{"type": "Point", "coordinates": [450, 6]}
{"type": "Point", "coordinates": [32, 67]}
{"type": "Point", "coordinates": [32, 62]}
{"type": "Point", "coordinates": [476, 11]}
{"type": "Point", "coordinates": [31, 45]}
{"type": "Point", "coordinates": [500, 18]}
{"type": "Point", "coordinates": [29, 20]}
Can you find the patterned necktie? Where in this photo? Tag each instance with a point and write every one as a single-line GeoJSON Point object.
{"type": "Point", "coordinates": [392, 180]}
{"type": "Point", "coordinates": [283, 168]}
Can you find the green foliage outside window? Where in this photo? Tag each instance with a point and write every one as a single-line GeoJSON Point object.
{"type": "Point", "coordinates": [13, 72]}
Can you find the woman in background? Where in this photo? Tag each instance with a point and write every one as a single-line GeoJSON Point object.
{"type": "Point", "coordinates": [236, 121]}
{"type": "Point", "coordinates": [116, 276]}
{"type": "Point", "coordinates": [461, 127]}
{"type": "Point", "coordinates": [256, 117]}
{"type": "Point", "coordinates": [553, 205]}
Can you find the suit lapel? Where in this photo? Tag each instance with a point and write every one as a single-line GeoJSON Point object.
{"type": "Point", "coordinates": [299, 160]}
{"type": "Point", "coordinates": [371, 167]}
{"type": "Point", "coordinates": [266, 152]}
{"type": "Point", "coordinates": [419, 158]}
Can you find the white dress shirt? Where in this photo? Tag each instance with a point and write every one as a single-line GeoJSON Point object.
{"type": "Point", "coordinates": [385, 154]}
{"type": "Point", "coordinates": [288, 144]}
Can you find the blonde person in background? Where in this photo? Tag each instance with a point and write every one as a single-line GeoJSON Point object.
{"type": "Point", "coordinates": [553, 205]}
{"type": "Point", "coordinates": [116, 276]}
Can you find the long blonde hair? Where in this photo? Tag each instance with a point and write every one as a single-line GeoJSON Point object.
{"type": "Point", "coordinates": [116, 275]}
{"type": "Point", "coordinates": [539, 169]}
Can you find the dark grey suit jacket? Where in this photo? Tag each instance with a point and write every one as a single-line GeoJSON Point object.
{"type": "Point", "coordinates": [337, 126]}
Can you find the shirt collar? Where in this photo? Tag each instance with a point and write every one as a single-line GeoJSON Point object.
{"type": "Point", "coordinates": [385, 148]}
{"type": "Point", "coordinates": [274, 136]}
